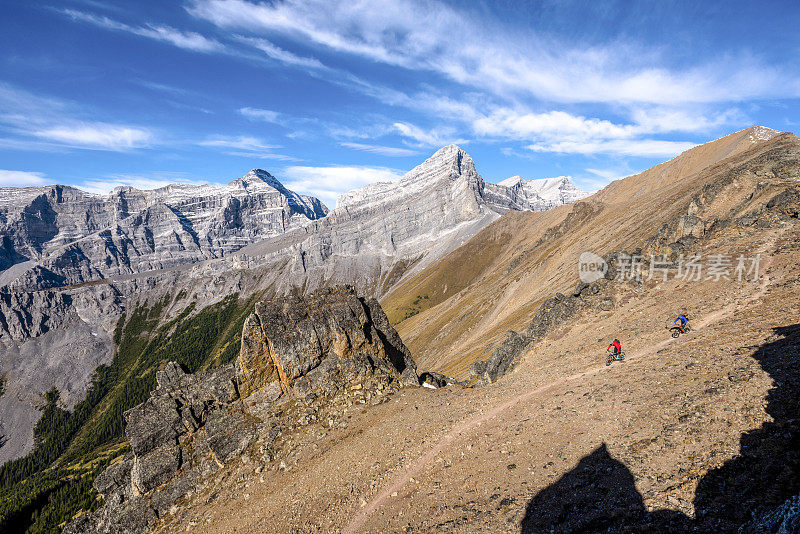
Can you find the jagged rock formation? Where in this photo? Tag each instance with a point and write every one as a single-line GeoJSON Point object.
{"type": "Point", "coordinates": [190, 426]}
{"type": "Point", "coordinates": [301, 343]}
{"type": "Point", "coordinates": [384, 231]}
{"type": "Point", "coordinates": [55, 236]}
{"type": "Point", "coordinates": [302, 360]}
{"type": "Point", "coordinates": [59, 235]}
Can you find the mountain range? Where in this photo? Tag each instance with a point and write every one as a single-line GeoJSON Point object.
{"type": "Point", "coordinates": [467, 287]}
{"type": "Point", "coordinates": [72, 262]}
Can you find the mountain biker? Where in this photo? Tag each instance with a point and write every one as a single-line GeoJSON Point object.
{"type": "Point", "coordinates": [683, 320]}
{"type": "Point", "coordinates": [615, 347]}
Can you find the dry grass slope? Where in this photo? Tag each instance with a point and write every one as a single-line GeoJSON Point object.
{"type": "Point", "coordinates": [482, 289]}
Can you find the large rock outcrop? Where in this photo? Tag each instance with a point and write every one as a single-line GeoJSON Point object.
{"type": "Point", "coordinates": [317, 342]}
{"type": "Point", "coordinates": [303, 361]}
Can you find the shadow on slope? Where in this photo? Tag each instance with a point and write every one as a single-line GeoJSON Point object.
{"type": "Point", "coordinates": [599, 494]}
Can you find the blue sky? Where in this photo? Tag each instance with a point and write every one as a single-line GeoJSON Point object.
{"type": "Point", "coordinates": [330, 95]}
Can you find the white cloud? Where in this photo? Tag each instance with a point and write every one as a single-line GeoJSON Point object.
{"type": "Point", "coordinates": [261, 115]}
{"type": "Point", "coordinates": [553, 124]}
{"type": "Point", "coordinates": [428, 138]}
{"type": "Point", "coordinates": [155, 180]}
{"type": "Point", "coordinates": [279, 54]}
{"type": "Point", "coordinates": [382, 150]}
{"type": "Point", "coordinates": [264, 155]}
{"type": "Point", "coordinates": [558, 131]}
{"type": "Point", "coordinates": [241, 142]}
{"type": "Point", "coordinates": [54, 125]}
{"type": "Point", "coordinates": [186, 40]}
{"type": "Point", "coordinates": [429, 36]}
{"type": "Point", "coordinates": [327, 183]}
{"type": "Point", "coordinates": [624, 147]}
{"type": "Point", "coordinates": [244, 146]}
{"type": "Point", "coordinates": [21, 178]}
{"type": "Point", "coordinates": [100, 136]}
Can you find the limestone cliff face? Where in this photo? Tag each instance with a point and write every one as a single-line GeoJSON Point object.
{"type": "Point", "coordinates": [303, 360]}
{"type": "Point", "coordinates": [384, 231]}
{"type": "Point", "coordinates": [59, 235]}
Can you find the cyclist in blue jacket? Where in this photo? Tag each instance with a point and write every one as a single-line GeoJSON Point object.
{"type": "Point", "coordinates": [683, 320]}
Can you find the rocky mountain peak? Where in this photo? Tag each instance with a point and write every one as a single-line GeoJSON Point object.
{"type": "Point", "coordinates": [259, 177]}
{"type": "Point", "coordinates": [549, 191]}
{"type": "Point", "coordinates": [512, 182]}
{"type": "Point", "coordinates": [450, 160]}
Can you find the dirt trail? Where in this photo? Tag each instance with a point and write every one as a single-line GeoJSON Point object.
{"type": "Point", "coordinates": [403, 477]}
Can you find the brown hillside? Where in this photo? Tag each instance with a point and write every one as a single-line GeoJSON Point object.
{"type": "Point", "coordinates": [497, 280]}
{"type": "Point", "coordinates": [698, 433]}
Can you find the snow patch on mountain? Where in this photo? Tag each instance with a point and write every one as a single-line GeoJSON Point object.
{"type": "Point", "coordinates": [762, 133]}
{"type": "Point", "coordinates": [552, 191]}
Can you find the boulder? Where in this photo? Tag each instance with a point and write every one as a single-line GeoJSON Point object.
{"type": "Point", "coordinates": [436, 380]}
{"type": "Point", "coordinates": [323, 338]}
{"type": "Point", "coordinates": [505, 357]}
{"type": "Point", "coordinates": [477, 368]}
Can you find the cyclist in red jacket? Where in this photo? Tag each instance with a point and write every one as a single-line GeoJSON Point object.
{"type": "Point", "coordinates": [615, 347]}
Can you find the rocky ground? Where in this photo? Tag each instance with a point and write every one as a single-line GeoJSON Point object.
{"type": "Point", "coordinates": [697, 432]}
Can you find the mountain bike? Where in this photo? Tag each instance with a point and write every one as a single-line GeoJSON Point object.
{"type": "Point", "coordinates": [676, 331]}
{"type": "Point", "coordinates": [614, 357]}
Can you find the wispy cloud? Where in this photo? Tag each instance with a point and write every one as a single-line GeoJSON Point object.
{"type": "Point", "coordinates": [558, 131]}
{"type": "Point", "coordinates": [41, 123]}
{"type": "Point", "coordinates": [244, 146]}
{"type": "Point", "coordinates": [504, 73]}
{"type": "Point", "coordinates": [21, 178]}
{"type": "Point", "coordinates": [382, 150]}
{"type": "Point", "coordinates": [153, 180]}
{"type": "Point", "coordinates": [327, 183]}
{"type": "Point", "coordinates": [428, 138]}
{"type": "Point", "coordinates": [101, 136]}
{"type": "Point", "coordinates": [428, 36]}
{"type": "Point", "coordinates": [281, 55]}
{"type": "Point", "coordinates": [240, 142]}
{"type": "Point", "coordinates": [264, 115]}
{"type": "Point", "coordinates": [159, 32]}
{"type": "Point", "coordinates": [624, 147]}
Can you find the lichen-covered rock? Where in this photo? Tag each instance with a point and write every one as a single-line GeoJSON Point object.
{"type": "Point", "coordinates": [320, 341]}
{"type": "Point", "coordinates": [553, 312]}
{"type": "Point", "coordinates": [477, 368]}
{"type": "Point", "coordinates": [309, 359]}
{"type": "Point", "coordinates": [787, 203]}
